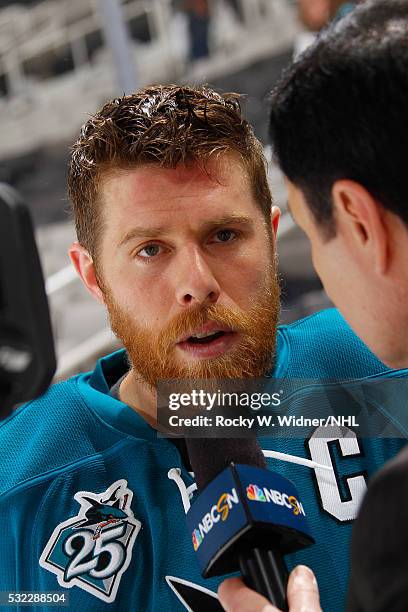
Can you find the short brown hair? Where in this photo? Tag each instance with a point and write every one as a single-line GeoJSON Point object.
{"type": "Point", "coordinates": [163, 125]}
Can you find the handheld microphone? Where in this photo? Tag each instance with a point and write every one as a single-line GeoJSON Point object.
{"type": "Point", "coordinates": [245, 517]}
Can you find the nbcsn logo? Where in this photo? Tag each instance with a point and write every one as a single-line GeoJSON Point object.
{"type": "Point", "coordinates": [218, 511]}
{"type": "Point", "coordinates": [255, 493]}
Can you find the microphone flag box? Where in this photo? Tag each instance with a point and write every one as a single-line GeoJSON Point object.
{"type": "Point", "coordinates": [242, 508]}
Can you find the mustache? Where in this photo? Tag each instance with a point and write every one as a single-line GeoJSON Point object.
{"type": "Point", "coordinates": [184, 323]}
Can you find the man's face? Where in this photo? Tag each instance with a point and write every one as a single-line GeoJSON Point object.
{"type": "Point", "coordinates": [187, 254]}
{"type": "Point", "coordinates": [345, 275]}
{"type": "Point", "coordinates": [324, 263]}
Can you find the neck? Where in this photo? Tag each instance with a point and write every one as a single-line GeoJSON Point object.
{"type": "Point", "coordinates": [138, 395]}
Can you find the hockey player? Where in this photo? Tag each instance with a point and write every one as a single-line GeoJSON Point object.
{"type": "Point", "coordinates": [176, 236]}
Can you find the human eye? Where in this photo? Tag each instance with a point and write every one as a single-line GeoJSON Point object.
{"type": "Point", "coordinates": [225, 236]}
{"type": "Point", "coordinates": [149, 251]}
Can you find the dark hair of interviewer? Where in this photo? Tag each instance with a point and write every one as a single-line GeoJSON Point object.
{"type": "Point", "coordinates": [341, 111]}
{"type": "Point", "coordinates": [164, 126]}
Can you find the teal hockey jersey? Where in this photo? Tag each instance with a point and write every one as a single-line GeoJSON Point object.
{"type": "Point", "coordinates": [92, 502]}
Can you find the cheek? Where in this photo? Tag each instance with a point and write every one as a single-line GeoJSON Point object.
{"type": "Point", "coordinates": [337, 276]}
{"type": "Point", "coordinates": [250, 272]}
{"type": "Point", "coordinates": [245, 285]}
{"type": "Point", "coordinates": [142, 297]}
{"type": "Point", "coordinates": [316, 259]}
{"type": "Point", "coordinates": [326, 269]}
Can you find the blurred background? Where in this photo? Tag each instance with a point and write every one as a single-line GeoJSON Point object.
{"type": "Point", "coordinates": [60, 60]}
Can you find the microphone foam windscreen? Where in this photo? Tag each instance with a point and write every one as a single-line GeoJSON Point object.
{"type": "Point", "coordinates": [210, 456]}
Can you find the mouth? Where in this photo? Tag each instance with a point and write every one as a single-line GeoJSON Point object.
{"type": "Point", "coordinates": [211, 340]}
{"type": "Point", "coordinates": [205, 339]}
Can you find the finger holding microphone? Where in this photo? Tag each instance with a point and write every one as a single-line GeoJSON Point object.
{"type": "Point", "coordinates": [245, 517]}
{"type": "Point", "coordinates": [302, 594]}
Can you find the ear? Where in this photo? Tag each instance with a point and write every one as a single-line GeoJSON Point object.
{"type": "Point", "coordinates": [360, 219]}
{"type": "Point", "coordinates": [85, 267]}
{"type": "Point", "coordinates": [275, 216]}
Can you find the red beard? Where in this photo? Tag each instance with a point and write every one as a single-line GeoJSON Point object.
{"type": "Point", "coordinates": [153, 355]}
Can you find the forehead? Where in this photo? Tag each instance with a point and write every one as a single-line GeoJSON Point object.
{"type": "Point", "coordinates": [151, 192]}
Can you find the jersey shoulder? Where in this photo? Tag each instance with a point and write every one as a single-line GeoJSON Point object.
{"type": "Point", "coordinates": [323, 345]}
{"type": "Point", "coordinates": [48, 433]}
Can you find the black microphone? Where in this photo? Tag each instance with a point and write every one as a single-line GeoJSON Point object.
{"type": "Point", "coordinates": [245, 518]}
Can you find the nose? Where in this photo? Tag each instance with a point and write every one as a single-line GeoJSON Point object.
{"type": "Point", "coordinates": [195, 284]}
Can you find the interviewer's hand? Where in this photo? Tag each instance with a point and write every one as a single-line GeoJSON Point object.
{"type": "Point", "coordinates": [303, 594]}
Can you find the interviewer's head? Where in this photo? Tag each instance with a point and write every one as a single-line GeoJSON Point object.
{"type": "Point", "coordinates": [176, 229]}
{"type": "Point", "coordinates": [339, 130]}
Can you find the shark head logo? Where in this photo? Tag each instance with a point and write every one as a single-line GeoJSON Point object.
{"type": "Point", "coordinates": [103, 512]}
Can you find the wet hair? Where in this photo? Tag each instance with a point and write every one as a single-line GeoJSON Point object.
{"type": "Point", "coordinates": [165, 126]}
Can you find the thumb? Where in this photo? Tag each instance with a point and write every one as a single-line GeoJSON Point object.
{"type": "Point", "coordinates": [303, 592]}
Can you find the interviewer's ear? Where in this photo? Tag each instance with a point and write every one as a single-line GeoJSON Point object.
{"type": "Point", "coordinates": [84, 265]}
{"type": "Point", "coordinates": [360, 220]}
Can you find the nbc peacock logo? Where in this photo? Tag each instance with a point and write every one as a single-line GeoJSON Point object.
{"type": "Point", "coordinates": [197, 539]}
{"type": "Point", "coordinates": [254, 493]}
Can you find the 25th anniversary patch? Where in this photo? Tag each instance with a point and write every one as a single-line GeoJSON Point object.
{"type": "Point", "coordinates": [93, 549]}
